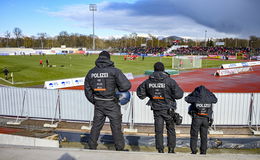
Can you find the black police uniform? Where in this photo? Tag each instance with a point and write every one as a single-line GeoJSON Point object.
{"type": "Point", "coordinates": [201, 100]}
{"type": "Point", "coordinates": [6, 71]}
{"type": "Point", "coordinates": [101, 84]}
{"type": "Point", "coordinates": [162, 91]}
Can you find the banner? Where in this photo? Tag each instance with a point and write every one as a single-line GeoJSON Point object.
{"type": "Point", "coordinates": [215, 56]}
{"type": "Point", "coordinates": [4, 54]}
{"type": "Point", "coordinates": [129, 76]}
{"type": "Point", "coordinates": [225, 72]}
{"type": "Point", "coordinates": [64, 83]}
{"type": "Point", "coordinates": [255, 58]}
{"type": "Point", "coordinates": [254, 63]}
{"type": "Point", "coordinates": [232, 57]}
{"type": "Point", "coordinates": [72, 82]}
{"type": "Point", "coordinates": [243, 64]}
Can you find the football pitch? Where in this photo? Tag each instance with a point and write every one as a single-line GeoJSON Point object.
{"type": "Point", "coordinates": [27, 70]}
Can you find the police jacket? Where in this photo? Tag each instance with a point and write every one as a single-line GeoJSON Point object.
{"type": "Point", "coordinates": [102, 81]}
{"type": "Point", "coordinates": [162, 91]}
{"type": "Point", "coordinates": [201, 100]}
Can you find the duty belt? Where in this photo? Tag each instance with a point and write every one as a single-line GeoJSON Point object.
{"type": "Point", "coordinates": [104, 99]}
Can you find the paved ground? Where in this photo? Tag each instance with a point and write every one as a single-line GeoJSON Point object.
{"type": "Point", "coordinates": [246, 82]}
{"type": "Point", "coordinates": [30, 153]}
{"type": "Point", "coordinates": [188, 80]}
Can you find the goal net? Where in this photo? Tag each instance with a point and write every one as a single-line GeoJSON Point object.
{"type": "Point", "coordinates": [186, 62]}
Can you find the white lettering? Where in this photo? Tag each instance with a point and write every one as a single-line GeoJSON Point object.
{"type": "Point", "coordinates": [203, 105]}
{"type": "Point", "coordinates": [99, 75]}
{"type": "Point", "coordinates": [156, 85]}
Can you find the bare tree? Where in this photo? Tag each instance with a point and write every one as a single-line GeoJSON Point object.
{"type": "Point", "coordinates": [7, 36]}
{"type": "Point", "coordinates": [42, 37]}
{"type": "Point", "coordinates": [134, 36]}
{"type": "Point", "coordinates": [18, 34]}
{"type": "Point", "coordinates": [63, 38]}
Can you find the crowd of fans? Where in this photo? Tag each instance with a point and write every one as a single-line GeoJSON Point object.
{"type": "Point", "coordinates": [214, 50]}
{"type": "Point", "coordinates": [190, 50]}
{"type": "Point", "coordinates": [142, 50]}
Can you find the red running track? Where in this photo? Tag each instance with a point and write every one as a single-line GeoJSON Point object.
{"type": "Point", "coordinates": [188, 80]}
{"type": "Point", "coordinates": [9, 130]}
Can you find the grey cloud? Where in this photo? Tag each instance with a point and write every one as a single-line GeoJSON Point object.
{"type": "Point", "coordinates": [239, 17]}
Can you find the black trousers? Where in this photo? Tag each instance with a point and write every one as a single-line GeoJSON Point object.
{"type": "Point", "coordinates": [161, 116]}
{"type": "Point", "coordinates": [111, 110]}
{"type": "Point", "coordinates": [199, 125]}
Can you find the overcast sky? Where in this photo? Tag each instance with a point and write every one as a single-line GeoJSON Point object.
{"type": "Point", "coordinates": [184, 18]}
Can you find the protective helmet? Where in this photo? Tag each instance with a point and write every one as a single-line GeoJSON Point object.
{"type": "Point", "coordinates": [123, 97]}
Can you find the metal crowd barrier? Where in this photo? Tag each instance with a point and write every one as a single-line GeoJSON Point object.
{"type": "Point", "coordinates": [71, 105]}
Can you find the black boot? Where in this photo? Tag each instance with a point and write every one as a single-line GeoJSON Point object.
{"type": "Point", "coordinates": [171, 150]}
{"type": "Point", "coordinates": [160, 151]}
{"type": "Point", "coordinates": [194, 152]}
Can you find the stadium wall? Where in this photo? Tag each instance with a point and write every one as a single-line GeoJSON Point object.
{"type": "Point", "coordinates": [52, 51]}
{"type": "Point", "coordinates": [231, 109]}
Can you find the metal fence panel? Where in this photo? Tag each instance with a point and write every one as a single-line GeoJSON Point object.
{"type": "Point", "coordinates": [11, 100]}
{"type": "Point", "coordinates": [41, 103]}
{"type": "Point", "coordinates": [27, 102]}
{"type": "Point", "coordinates": [231, 109]}
{"type": "Point", "coordinates": [142, 112]}
{"type": "Point", "coordinates": [75, 106]}
{"type": "Point", "coordinates": [256, 109]}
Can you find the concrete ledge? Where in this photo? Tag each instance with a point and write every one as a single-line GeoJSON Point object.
{"type": "Point", "coordinates": [27, 141]}
{"type": "Point", "coordinates": [130, 130]}
{"type": "Point", "coordinates": [27, 153]}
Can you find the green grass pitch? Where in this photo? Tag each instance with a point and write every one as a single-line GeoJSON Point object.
{"type": "Point", "coordinates": [27, 70]}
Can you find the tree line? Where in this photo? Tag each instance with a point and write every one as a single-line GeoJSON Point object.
{"type": "Point", "coordinates": [76, 40]}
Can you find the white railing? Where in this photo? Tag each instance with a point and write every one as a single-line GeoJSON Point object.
{"type": "Point", "coordinates": [231, 109]}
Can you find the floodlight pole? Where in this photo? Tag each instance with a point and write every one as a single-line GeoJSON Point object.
{"type": "Point", "coordinates": [205, 38]}
{"type": "Point", "coordinates": [93, 8]}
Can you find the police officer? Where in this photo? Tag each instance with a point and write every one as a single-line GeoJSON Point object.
{"type": "Point", "coordinates": [162, 91]}
{"type": "Point", "coordinates": [101, 84]}
{"type": "Point", "coordinates": [6, 71]}
{"type": "Point", "coordinates": [201, 100]}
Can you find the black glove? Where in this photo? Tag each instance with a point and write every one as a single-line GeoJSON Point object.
{"type": "Point", "coordinates": [171, 112]}
{"type": "Point", "coordinates": [210, 122]}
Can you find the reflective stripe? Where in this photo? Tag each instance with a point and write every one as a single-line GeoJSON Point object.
{"type": "Point", "coordinates": [100, 89]}
{"type": "Point", "coordinates": [202, 114]}
{"type": "Point", "coordinates": [158, 98]}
